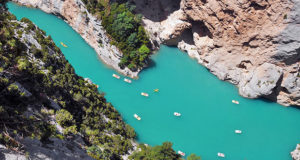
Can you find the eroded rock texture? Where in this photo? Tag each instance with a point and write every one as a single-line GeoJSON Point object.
{"type": "Point", "coordinates": [231, 38]}
{"type": "Point", "coordinates": [240, 41]}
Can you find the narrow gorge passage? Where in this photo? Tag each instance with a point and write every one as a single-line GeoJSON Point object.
{"type": "Point", "coordinates": [209, 118]}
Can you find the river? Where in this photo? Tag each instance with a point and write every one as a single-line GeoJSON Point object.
{"type": "Point", "coordinates": [208, 121]}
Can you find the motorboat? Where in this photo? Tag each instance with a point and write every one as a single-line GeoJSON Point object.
{"type": "Point", "coordinates": [238, 131]}
{"type": "Point", "coordinates": [236, 102]}
{"type": "Point", "coordinates": [177, 114]}
{"type": "Point", "coordinates": [221, 154]}
{"type": "Point", "coordinates": [116, 76]}
{"type": "Point", "coordinates": [144, 94]}
{"type": "Point", "coordinates": [127, 80]}
{"type": "Point", "coordinates": [137, 117]}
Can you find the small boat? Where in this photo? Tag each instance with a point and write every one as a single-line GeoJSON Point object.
{"type": "Point", "coordinates": [236, 102]}
{"type": "Point", "coordinates": [181, 153]}
{"type": "Point", "coordinates": [127, 80]}
{"type": "Point", "coordinates": [97, 86]}
{"type": "Point", "coordinates": [156, 90]}
{"type": "Point", "coordinates": [238, 131]}
{"type": "Point", "coordinates": [177, 114]}
{"type": "Point", "coordinates": [221, 154]}
{"type": "Point", "coordinates": [64, 45]}
{"type": "Point", "coordinates": [145, 94]}
{"type": "Point", "coordinates": [137, 117]}
{"type": "Point", "coordinates": [116, 76]}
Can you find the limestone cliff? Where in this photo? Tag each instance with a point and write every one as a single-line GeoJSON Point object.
{"type": "Point", "coordinates": [76, 15]}
{"type": "Point", "coordinates": [47, 111]}
{"type": "Point", "coordinates": [235, 40]}
{"type": "Point", "coordinates": [250, 43]}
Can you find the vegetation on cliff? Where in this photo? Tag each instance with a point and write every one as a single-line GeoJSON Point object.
{"type": "Point", "coordinates": [164, 152]}
{"type": "Point", "coordinates": [38, 86]}
{"type": "Point", "coordinates": [125, 29]}
{"type": "Point", "coordinates": [36, 80]}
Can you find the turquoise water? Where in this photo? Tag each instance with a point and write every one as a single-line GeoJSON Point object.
{"type": "Point", "coordinates": [208, 120]}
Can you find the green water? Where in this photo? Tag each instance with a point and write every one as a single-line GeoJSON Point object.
{"type": "Point", "coordinates": [208, 119]}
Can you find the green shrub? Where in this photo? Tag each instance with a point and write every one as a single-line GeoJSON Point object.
{"type": "Point", "coordinates": [126, 31]}
{"type": "Point", "coordinates": [64, 118]}
{"type": "Point", "coordinates": [164, 152]}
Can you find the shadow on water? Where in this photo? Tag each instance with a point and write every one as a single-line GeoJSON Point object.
{"type": "Point", "coordinates": [151, 64]}
{"type": "Point", "coordinates": [266, 100]}
{"type": "Point", "coordinates": [294, 106]}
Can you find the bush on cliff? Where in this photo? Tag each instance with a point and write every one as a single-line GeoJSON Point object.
{"type": "Point", "coordinates": [51, 79]}
{"type": "Point", "coordinates": [125, 29]}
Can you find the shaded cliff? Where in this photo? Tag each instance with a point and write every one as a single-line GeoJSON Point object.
{"type": "Point", "coordinates": [49, 112]}
{"type": "Point", "coordinates": [46, 110]}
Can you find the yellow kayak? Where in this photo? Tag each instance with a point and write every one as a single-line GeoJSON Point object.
{"type": "Point", "coordinates": [156, 90]}
{"type": "Point", "coordinates": [63, 44]}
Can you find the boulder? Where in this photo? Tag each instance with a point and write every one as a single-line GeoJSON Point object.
{"type": "Point", "coordinates": [261, 82]}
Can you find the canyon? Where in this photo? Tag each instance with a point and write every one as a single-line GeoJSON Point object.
{"type": "Point", "coordinates": [252, 44]}
{"type": "Point", "coordinates": [88, 26]}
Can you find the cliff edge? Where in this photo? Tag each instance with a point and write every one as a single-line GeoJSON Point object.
{"type": "Point", "coordinates": [87, 25]}
{"type": "Point", "coordinates": [252, 44]}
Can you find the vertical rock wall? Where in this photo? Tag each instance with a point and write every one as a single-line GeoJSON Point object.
{"type": "Point", "coordinates": [240, 41]}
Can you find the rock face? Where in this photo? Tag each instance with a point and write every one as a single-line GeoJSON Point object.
{"type": "Point", "coordinates": [71, 147]}
{"type": "Point", "coordinates": [57, 149]}
{"type": "Point", "coordinates": [90, 29]}
{"type": "Point", "coordinates": [233, 39]}
{"type": "Point", "coordinates": [296, 153]}
{"type": "Point", "coordinates": [240, 41]}
{"type": "Point", "coordinates": [262, 81]}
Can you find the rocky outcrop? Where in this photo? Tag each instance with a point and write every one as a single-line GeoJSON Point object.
{"type": "Point", "coordinates": [296, 153]}
{"type": "Point", "coordinates": [243, 42]}
{"type": "Point", "coordinates": [88, 26]}
{"type": "Point", "coordinates": [233, 39]}
{"type": "Point", "coordinates": [262, 81]}
{"type": "Point", "coordinates": [18, 145]}
{"type": "Point", "coordinates": [70, 149]}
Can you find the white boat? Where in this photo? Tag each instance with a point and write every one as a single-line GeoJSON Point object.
{"type": "Point", "coordinates": [137, 117]}
{"type": "Point", "coordinates": [177, 114]}
{"type": "Point", "coordinates": [116, 76]}
{"type": "Point", "coordinates": [127, 80]}
{"type": "Point", "coordinates": [144, 94]}
{"type": "Point", "coordinates": [238, 131]}
{"type": "Point", "coordinates": [236, 102]}
{"type": "Point", "coordinates": [221, 154]}
{"type": "Point", "coordinates": [181, 153]}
